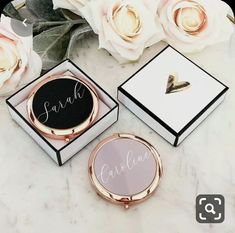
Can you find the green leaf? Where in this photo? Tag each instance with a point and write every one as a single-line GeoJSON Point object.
{"type": "Point", "coordinates": [69, 14]}
{"type": "Point", "coordinates": [43, 9]}
{"type": "Point", "coordinates": [10, 11]}
{"type": "Point", "coordinates": [78, 34]}
{"type": "Point", "coordinates": [40, 26]}
{"type": "Point", "coordinates": [52, 45]}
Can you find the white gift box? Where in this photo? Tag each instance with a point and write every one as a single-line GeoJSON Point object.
{"type": "Point", "coordinates": [59, 150]}
{"type": "Point", "coordinates": [172, 95]}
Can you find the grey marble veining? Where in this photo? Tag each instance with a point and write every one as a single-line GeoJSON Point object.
{"type": "Point", "coordinates": [37, 196]}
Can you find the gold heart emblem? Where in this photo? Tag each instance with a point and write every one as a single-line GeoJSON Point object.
{"type": "Point", "coordinates": [174, 86]}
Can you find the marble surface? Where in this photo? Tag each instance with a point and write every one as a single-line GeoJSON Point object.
{"type": "Point", "coordinates": [38, 196]}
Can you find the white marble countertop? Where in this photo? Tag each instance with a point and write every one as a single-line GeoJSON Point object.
{"type": "Point", "coordinates": [38, 196]}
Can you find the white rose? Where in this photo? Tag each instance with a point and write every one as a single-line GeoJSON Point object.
{"type": "Point", "coordinates": [125, 27]}
{"type": "Point", "coordinates": [192, 25]}
{"type": "Point", "coordinates": [72, 5]}
{"type": "Point", "coordinates": [19, 64]}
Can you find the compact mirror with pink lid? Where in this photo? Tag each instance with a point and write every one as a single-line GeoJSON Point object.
{"type": "Point", "coordinates": [125, 169]}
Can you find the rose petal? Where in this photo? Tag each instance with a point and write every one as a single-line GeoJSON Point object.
{"type": "Point", "coordinates": [33, 69]}
{"type": "Point", "coordinates": [124, 44]}
{"type": "Point", "coordinates": [27, 41]}
{"type": "Point", "coordinates": [17, 51]}
{"type": "Point", "coordinates": [93, 13]}
{"type": "Point", "coordinates": [11, 55]}
{"type": "Point", "coordinates": [73, 5]}
{"type": "Point", "coordinates": [30, 72]}
{"type": "Point", "coordinates": [63, 4]}
{"type": "Point", "coordinates": [216, 30]}
{"type": "Point", "coordinates": [13, 81]}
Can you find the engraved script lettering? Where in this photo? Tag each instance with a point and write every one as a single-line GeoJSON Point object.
{"type": "Point", "coordinates": [78, 94]}
{"type": "Point", "coordinates": [130, 162]}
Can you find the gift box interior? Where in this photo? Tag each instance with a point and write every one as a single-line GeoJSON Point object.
{"type": "Point", "coordinates": [60, 150]}
{"type": "Point", "coordinates": [172, 95]}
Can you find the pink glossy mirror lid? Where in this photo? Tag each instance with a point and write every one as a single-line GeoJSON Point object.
{"type": "Point", "coordinates": [125, 168]}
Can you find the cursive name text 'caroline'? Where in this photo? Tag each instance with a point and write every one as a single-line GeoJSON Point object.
{"type": "Point", "coordinates": [130, 162]}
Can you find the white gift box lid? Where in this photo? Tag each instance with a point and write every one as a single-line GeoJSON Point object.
{"type": "Point", "coordinates": [172, 107]}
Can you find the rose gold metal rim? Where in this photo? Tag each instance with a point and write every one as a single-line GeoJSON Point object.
{"type": "Point", "coordinates": [65, 134]}
{"type": "Point", "coordinates": [121, 199]}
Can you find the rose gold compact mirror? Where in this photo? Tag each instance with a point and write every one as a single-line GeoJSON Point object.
{"type": "Point", "coordinates": [62, 106]}
{"type": "Point", "coordinates": [125, 169]}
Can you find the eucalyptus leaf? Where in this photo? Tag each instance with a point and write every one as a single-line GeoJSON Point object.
{"type": "Point", "coordinates": [41, 26]}
{"type": "Point", "coordinates": [78, 34]}
{"type": "Point", "coordinates": [52, 45]}
{"type": "Point", "coordinates": [10, 11]}
{"type": "Point", "coordinates": [43, 9]}
{"type": "Point", "coordinates": [69, 14]}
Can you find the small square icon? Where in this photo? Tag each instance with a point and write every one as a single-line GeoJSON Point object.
{"type": "Point", "coordinates": [210, 208]}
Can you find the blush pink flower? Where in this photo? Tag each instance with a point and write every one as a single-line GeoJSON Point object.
{"type": "Point", "coordinates": [19, 64]}
{"type": "Point", "coordinates": [192, 25]}
{"type": "Point", "coordinates": [125, 28]}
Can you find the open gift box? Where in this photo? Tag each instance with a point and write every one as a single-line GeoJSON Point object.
{"type": "Point", "coordinates": [60, 150]}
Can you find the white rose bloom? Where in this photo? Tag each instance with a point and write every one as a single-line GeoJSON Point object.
{"type": "Point", "coordinates": [72, 5]}
{"type": "Point", "coordinates": [192, 25]}
{"type": "Point", "coordinates": [19, 64]}
{"type": "Point", "coordinates": [125, 27]}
